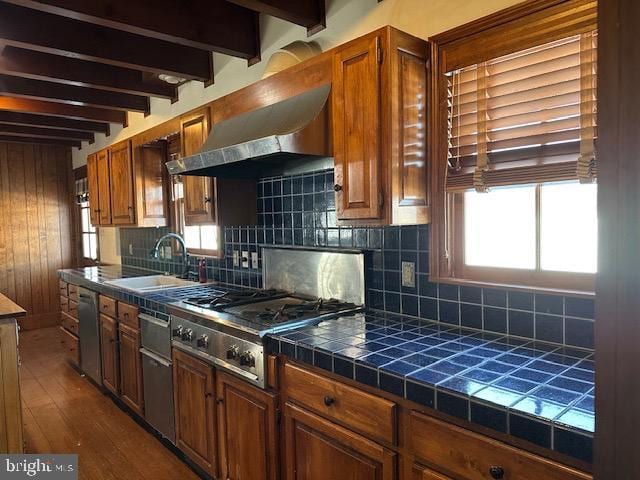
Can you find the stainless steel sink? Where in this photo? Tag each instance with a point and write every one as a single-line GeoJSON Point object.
{"type": "Point", "coordinates": [151, 283]}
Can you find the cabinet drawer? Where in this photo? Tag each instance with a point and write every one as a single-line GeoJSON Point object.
{"type": "Point", "coordinates": [70, 323]}
{"type": "Point", "coordinates": [64, 304]}
{"type": "Point", "coordinates": [108, 306]}
{"type": "Point", "coordinates": [63, 288]}
{"type": "Point", "coordinates": [358, 410]}
{"type": "Point", "coordinates": [73, 308]}
{"type": "Point", "coordinates": [128, 314]}
{"type": "Point", "coordinates": [468, 455]}
{"type": "Point", "coordinates": [71, 346]}
{"type": "Point", "coordinates": [73, 292]}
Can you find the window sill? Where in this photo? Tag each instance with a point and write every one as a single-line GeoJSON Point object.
{"type": "Point", "coordinates": [506, 286]}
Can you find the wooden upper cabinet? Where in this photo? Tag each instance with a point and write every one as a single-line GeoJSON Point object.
{"type": "Point", "coordinates": [193, 394]}
{"type": "Point", "coordinates": [104, 187]}
{"type": "Point", "coordinates": [151, 178]}
{"type": "Point", "coordinates": [92, 181]}
{"type": "Point", "coordinates": [199, 192]}
{"type": "Point", "coordinates": [317, 449]}
{"type": "Point", "coordinates": [247, 430]}
{"type": "Point", "coordinates": [121, 169]}
{"type": "Point", "coordinates": [379, 129]}
{"type": "Point", "coordinates": [356, 129]}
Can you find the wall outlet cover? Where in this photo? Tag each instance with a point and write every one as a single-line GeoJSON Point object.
{"type": "Point", "coordinates": [254, 260]}
{"type": "Point", "coordinates": [236, 258]}
{"type": "Point", "coordinates": [245, 259]}
{"type": "Point", "coordinates": [409, 274]}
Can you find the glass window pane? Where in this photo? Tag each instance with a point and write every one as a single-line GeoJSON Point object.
{"type": "Point", "coordinates": [209, 237]}
{"type": "Point", "coordinates": [93, 247]}
{"type": "Point", "coordinates": [569, 227]}
{"type": "Point", "coordinates": [86, 245]}
{"type": "Point", "coordinates": [500, 228]}
{"type": "Point", "coordinates": [192, 236]}
{"type": "Point", "coordinates": [84, 219]}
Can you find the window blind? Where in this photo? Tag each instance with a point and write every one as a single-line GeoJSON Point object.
{"type": "Point", "coordinates": [526, 117]}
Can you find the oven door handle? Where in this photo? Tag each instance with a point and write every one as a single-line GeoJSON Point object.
{"type": "Point", "coordinates": [155, 357]}
{"type": "Point", "coordinates": [153, 320]}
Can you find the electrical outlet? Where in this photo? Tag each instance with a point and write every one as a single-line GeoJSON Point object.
{"type": "Point", "coordinates": [236, 258]}
{"type": "Point", "coordinates": [409, 274]}
{"type": "Point", "coordinates": [254, 260]}
{"type": "Point", "coordinates": [167, 251]}
{"type": "Point", "coordinates": [245, 259]}
{"type": "Point", "coordinates": [131, 249]}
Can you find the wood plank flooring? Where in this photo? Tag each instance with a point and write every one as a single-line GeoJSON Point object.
{"type": "Point", "coordinates": [65, 413]}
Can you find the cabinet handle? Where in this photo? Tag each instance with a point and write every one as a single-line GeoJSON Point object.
{"type": "Point", "coordinates": [207, 395]}
{"type": "Point", "coordinates": [337, 188]}
{"type": "Point", "coordinates": [220, 401]}
{"type": "Point", "coordinates": [130, 207]}
{"type": "Point", "coordinates": [497, 473]}
{"type": "Point", "coordinates": [207, 199]}
{"type": "Point", "coordinates": [328, 401]}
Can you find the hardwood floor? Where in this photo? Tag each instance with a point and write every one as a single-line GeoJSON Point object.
{"type": "Point", "coordinates": [64, 413]}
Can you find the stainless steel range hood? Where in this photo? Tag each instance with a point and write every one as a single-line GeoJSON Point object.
{"type": "Point", "coordinates": [280, 138]}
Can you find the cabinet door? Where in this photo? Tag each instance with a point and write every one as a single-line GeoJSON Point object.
{"type": "Point", "coordinates": [199, 195]}
{"type": "Point", "coordinates": [109, 352]}
{"type": "Point", "coordinates": [316, 449]}
{"type": "Point", "coordinates": [247, 430]}
{"type": "Point", "coordinates": [92, 180]}
{"type": "Point", "coordinates": [121, 168]}
{"type": "Point", "coordinates": [193, 391]}
{"type": "Point", "coordinates": [150, 175]}
{"type": "Point", "coordinates": [356, 130]}
{"type": "Point", "coordinates": [130, 369]}
{"type": "Point", "coordinates": [104, 187]}
{"type": "Point", "coordinates": [424, 473]}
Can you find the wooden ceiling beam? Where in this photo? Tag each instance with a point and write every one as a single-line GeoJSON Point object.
{"type": "Point", "coordinates": [82, 73]}
{"type": "Point", "coordinates": [48, 121]}
{"type": "Point", "coordinates": [43, 141]}
{"type": "Point", "coordinates": [63, 110]}
{"type": "Point", "coordinates": [214, 25]}
{"type": "Point", "coordinates": [38, 132]}
{"type": "Point", "coordinates": [46, 32]}
{"type": "Point", "coordinates": [56, 92]}
{"type": "Point", "coordinates": [307, 13]}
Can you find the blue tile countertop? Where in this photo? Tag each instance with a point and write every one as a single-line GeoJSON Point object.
{"type": "Point", "coordinates": [153, 303]}
{"type": "Point", "coordinates": [540, 392]}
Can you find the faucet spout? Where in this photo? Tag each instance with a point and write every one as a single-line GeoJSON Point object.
{"type": "Point", "coordinates": [155, 251]}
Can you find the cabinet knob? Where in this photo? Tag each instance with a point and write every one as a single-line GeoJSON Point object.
{"type": "Point", "coordinates": [208, 394]}
{"type": "Point", "coordinates": [207, 199]}
{"type": "Point", "coordinates": [328, 401]}
{"type": "Point", "coordinates": [337, 188]}
{"type": "Point", "coordinates": [496, 473]}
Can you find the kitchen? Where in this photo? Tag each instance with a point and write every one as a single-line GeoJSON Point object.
{"type": "Point", "coordinates": [358, 240]}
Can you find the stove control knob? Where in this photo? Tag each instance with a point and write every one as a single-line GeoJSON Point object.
{"type": "Point", "coordinates": [187, 335]}
{"type": "Point", "coordinates": [203, 341]}
{"type": "Point", "coordinates": [177, 332]}
{"type": "Point", "coordinates": [233, 352]}
{"type": "Point", "coordinates": [247, 359]}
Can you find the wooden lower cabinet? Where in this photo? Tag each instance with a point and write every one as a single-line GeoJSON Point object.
{"type": "Point", "coordinates": [423, 473]}
{"type": "Point", "coordinates": [109, 352]}
{"type": "Point", "coordinates": [194, 409]}
{"type": "Point", "coordinates": [246, 430]}
{"type": "Point", "coordinates": [317, 449]}
{"type": "Point", "coordinates": [130, 369]}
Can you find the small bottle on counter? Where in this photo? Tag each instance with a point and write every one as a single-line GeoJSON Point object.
{"type": "Point", "coordinates": [202, 270]}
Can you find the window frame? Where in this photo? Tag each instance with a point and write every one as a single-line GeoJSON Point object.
{"type": "Point", "coordinates": [521, 26]}
{"type": "Point", "coordinates": [79, 173]}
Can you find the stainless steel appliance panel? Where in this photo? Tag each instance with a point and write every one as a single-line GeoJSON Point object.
{"type": "Point", "coordinates": [155, 335]}
{"type": "Point", "coordinates": [158, 393]}
{"type": "Point", "coordinates": [316, 272]}
{"type": "Point", "coordinates": [89, 334]}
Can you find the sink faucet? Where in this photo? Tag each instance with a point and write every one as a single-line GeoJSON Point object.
{"type": "Point", "coordinates": [185, 256]}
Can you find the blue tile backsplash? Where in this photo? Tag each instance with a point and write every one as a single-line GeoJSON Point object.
{"type": "Point", "coordinates": [300, 210]}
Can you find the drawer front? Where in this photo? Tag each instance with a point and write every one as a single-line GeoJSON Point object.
{"type": "Point", "coordinates": [73, 292]}
{"type": "Point", "coordinates": [73, 308]}
{"type": "Point", "coordinates": [70, 324]}
{"type": "Point", "coordinates": [128, 314]}
{"type": "Point", "coordinates": [358, 410]}
{"type": "Point", "coordinates": [108, 306]}
{"type": "Point", "coordinates": [64, 304]}
{"type": "Point", "coordinates": [471, 456]}
{"type": "Point", "coordinates": [63, 288]}
{"type": "Point", "coordinates": [71, 346]}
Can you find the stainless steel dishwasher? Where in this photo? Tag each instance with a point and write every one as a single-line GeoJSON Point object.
{"type": "Point", "coordinates": [157, 374]}
{"type": "Point", "coordinates": [89, 333]}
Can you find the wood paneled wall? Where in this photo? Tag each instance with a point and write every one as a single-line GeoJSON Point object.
{"type": "Point", "coordinates": [36, 232]}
